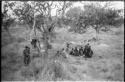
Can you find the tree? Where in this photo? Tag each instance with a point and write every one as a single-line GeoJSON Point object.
{"type": "Point", "coordinates": [74, 14]}
{"type": "Point", "coordinates": [46, 24]}
{"type": "Point", "coordinates": [7, 20]}
{"type": "Point", "coordinates": [61, 11]}
{"type": "Point", "coordinates": [37, 15]}
{"type": "Point", "coordinates": [98, 16]}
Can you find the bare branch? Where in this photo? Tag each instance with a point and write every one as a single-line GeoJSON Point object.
{"type": "Point", "coordinates": [107, 4]}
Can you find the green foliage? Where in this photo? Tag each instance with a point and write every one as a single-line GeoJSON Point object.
{"type": "Point", "coordinates": [7, 21]}
{"type": "Point", "coordinates": [73, 13]}
{"type": "Point", "coordinates": [76, 19]}
{"type": "Point", "coordinates": [99, 16]}
{"type": "Point", "coordinates": [6, 7]}
{"type": "Point", "coordinates": [25, 13]}
{"type": "Point", "coordinates": [93, 15]}
{"type": "Point", "coordinates": [61, 22]}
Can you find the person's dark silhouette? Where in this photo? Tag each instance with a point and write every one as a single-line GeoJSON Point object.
{"type": "Point", "coordinates": [81, 51]}
{"type": "Point", "coordinates": [26, 54]}
{"type": "Point", "coordinates": [87, 51]}
{"type": "Point", "coordinates": [72, 52]}
{"type": "Point", "coordinates": [76, 51]}
{"type": "Point", "coordinates": [67, 47]}
{"type": "Point", "coordinates": [33, 42]}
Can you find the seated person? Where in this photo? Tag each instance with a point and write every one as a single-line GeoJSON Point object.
{"type": "Point", "coordinates": [81, 51]}
{"type": "Point", "coordinates": [87, 51]}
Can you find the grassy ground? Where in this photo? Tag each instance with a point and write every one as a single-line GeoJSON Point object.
{"type": "Point", "coordinates": [107, 62]}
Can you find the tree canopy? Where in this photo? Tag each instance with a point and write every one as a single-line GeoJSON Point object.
{"type": "Point", "coordinates": [94, 15]}
{"type": "Point", "coordinates": [74, 13]}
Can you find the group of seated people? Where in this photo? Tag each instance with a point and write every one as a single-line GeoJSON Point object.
{"type": "Point", "coordinates": [86, 51]}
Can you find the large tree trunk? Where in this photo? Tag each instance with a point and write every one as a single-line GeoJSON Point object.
{"type": "Point", "coordinates": [38, 44]}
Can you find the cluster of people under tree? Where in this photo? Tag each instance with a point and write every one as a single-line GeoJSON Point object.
{"type": "Point", "coordinates": [86, 52]}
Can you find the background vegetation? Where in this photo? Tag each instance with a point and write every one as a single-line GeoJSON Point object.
{"type": "Point", "coordinates": [33, 19]}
